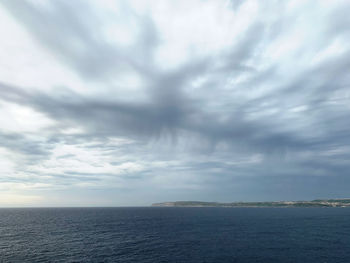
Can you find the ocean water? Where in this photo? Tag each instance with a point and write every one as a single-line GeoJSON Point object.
{"type": "Point", "coordinates": [157, 234]}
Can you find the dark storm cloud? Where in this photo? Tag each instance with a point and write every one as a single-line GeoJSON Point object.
{"type": "Point", "coordinates": [169, 114]}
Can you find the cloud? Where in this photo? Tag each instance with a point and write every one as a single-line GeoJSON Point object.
{"type": "Point", "coordinates": [77, 39]}
{"type": "Point", "coordinates": [159, 106]}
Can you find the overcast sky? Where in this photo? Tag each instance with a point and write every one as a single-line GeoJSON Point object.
{"type": "Point", "coordinates": [108, 103]}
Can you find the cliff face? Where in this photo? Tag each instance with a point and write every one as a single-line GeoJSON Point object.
{"type": "Point", "coordinates": [314, 203]}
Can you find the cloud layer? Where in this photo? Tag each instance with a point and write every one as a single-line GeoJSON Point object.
{"type": "Point", "coordinates": [129, 102]}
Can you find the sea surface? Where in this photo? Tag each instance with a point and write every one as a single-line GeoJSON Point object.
{"type": "Point", "coordinates": [160, 234]}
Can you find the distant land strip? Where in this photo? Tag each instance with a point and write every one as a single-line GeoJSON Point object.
{"type": "Point", "coordinates": [314, 203]}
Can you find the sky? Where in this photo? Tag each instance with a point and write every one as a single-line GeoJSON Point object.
{"type": "Point", "coordinates": [127, 103]}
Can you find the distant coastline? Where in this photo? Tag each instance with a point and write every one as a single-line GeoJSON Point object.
{"type": "Point", "coordinates": [314, 203]}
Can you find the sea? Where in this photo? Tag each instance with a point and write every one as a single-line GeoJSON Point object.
{"type": "Point", "coordinates": [175, 234]}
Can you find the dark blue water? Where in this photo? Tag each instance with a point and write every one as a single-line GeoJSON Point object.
{"type": "Point", "coordinates": [175, 235]}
